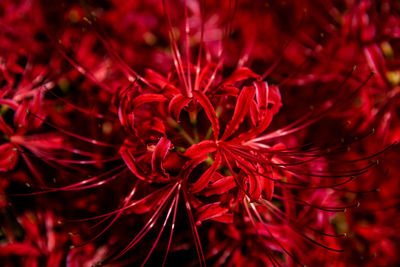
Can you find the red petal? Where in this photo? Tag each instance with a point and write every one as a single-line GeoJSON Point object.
{"type": "Point", "coordinates": [274, 98]}
{"type": "Point", "coordinates": [240, 75]}
{"type": "Point", "coordinates": [189, 165]}
{"type": "Point", "coordinates": [36, 109]}
{"type": "Point", "coordinates": [28, 122]}
{"type": "Point", "coordinates": [156, 124]}
{"type": "Point", "coordinates": [176, 105]}
{"type": "Point", "coordinates": [226, 91]}
{"type": "Point", "coordinates": [376, 61]}
{"type": "Point", "coordinates": [254, 185]}
{"type": "Point", "coordinates": [273, 105]}
{"type": "Point", "coordinates": [209, 109]}
{"type": "Point", "coordinates": [173, 162]}
{"type": "Point", "coordinates": [159, 155]}
{"type": "Point", "coordinates": [146, 98]}
{"type": "Point", "coordinates": [216, 177]}
{"type": "Point", "coordinates": [210, 211]}
{"type": "Point", "coordinates": [249, 178]}
{"type": "Point", "coordinates": [254, 114]}
{"type": "Point", "coordinates": [131, 163]}
{"type": "Point", "coordinates": [8, 157]}
{"type": "Point", "coordinates": [262, 98]}
{"type": "Point", "coordinates": [124, 112]}
{"type": "Point", "coordinates": [205, 178]}
{"type": "Point", "coordinates": [268, 186]}
{"type": "Point", "coordinates": [241, 109]}
{"type": "Point", "coordinates": [225, 218]}
{"type": "Point", "coordinates": [155, 78]}
{"type": "Point", "coordinates": [220, 187]}
{"type": "Point", "coordinates": [4, 128]}
{"type": "Point", "coordinates": [201, 149]}
{"type": "Point", "coordinates": [20, 249]}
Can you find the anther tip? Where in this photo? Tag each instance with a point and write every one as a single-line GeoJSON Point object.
{"type": "Point", "coordinates": [87, 20]}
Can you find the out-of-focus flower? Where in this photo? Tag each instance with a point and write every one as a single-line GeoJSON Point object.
{"type": "Point", "coordinates": [35, 239]}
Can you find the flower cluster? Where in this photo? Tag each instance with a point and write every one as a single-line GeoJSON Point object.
{"type": "Point", "coordinates": [190, 132]}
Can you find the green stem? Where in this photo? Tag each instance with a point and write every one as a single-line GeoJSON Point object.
{"type": "Point", "coordinates": [193, 122]}
{"type": "Point", "coordinates": [180, 130]}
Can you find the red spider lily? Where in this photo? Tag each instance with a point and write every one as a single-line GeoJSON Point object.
{"type": "Point", "coordinates": [29, 242]}
{"type": "Point", "coordinates": [266, 233]}
{"type": "Point", "coordinates": [195, 129]}
{"type": "Point", "coordinates": [21, 23]}
{"type": "Point", "coordinates": [366, 35]}
{"type": "Point", "coordinates": [15, 139]}
{"type": "Point", "coordinates": [22, 134]}
{"type": "Point", "coordinates": [377, 39]}
{"type": "Point", "coordinates": [231, 160]}
{"type": "Point", "coordinates": [37, 241]}
{"type": "Point", "coordinates": [362, 34]}
{"type": "Point", "coordinates": [371, 241]}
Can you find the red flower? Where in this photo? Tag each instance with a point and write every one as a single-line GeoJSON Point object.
{"type": "Point", "coordinates": [150, 116]}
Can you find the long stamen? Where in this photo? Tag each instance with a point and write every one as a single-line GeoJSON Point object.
{"type": "Point", "coordinates": [77, 136]}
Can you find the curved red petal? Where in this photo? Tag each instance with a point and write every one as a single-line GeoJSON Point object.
{"type": "Point", "coordinates": [147, 98]}
{"type": "Point", "coordinates": [210, 111]}
{"type": "Point", "coordinates": [210, 211]}
{"type": "Point", "coordinates": [130, 161]}
{"type": "Point", "coordinates": [240, 75]}
{"type": "Point", "coordinates": [177, 103]}
{"type": "Point", "coordinates": [8, 157]}
{"type": "Point", "coordinates": [205, 178]}
{"type": "Point", "coordinates": [220, 187]}
{"type": "Point", "coordinates": [241, 110]}
{"type": "Point", "coordinates": [159, 155]}
{"type": "Point", "coordinates": [201, 149]}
